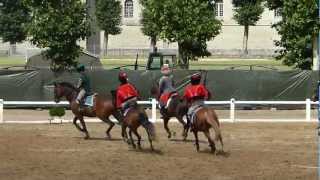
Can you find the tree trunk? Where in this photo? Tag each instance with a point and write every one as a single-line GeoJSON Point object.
{"type": "Point", "coordinates": [13, 48]}
{"type": "Point", "coordinates": [153, 44]}
{"type": "Point", "coordinates": [105, 48]}
{"type": "Point", "coordinates": [183, 59]}
{"type": "Point", "coordinates": [245, 39]}
{"type": "Point", "coordinates": [315, 54]}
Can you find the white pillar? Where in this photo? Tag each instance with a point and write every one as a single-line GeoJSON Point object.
{"type": "Point", "coordinates": [308, 110]}
{"type": "Point", "coordinates": [315, 60]}
{"type": "Point", "coordinates": [154, 110]}
{"type": "Point", "coordinates": [232, 110]}
{"type": "Point", "coordinates": [1, 111]}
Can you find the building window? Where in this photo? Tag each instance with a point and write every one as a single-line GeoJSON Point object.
{"type": "Point", "coordinates": [219, 9]}
{"type": "Point", "coordinates": [277, 12]}
{"type": "Point", "coordinates": [128, 8]}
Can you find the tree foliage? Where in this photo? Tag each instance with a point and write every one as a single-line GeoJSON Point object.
{"type": "Point", "coordinates": [108, 14]}
{"type": "Point", "coordinates": [190, 23]}
{"type": "Point", "coordinates": [298, 29]}
{"type": "Point", "coordinates": [58, 25]}
{"type": "Point", "coordinates": [151, 14]}
{"type": "Point", "coordinates": [14, 16]}
{"type": "Point", "coordinates": [247, 13]}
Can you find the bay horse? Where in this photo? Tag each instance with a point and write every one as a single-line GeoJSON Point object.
{"type": "Point", "coordinates": [102, 107]}
{"type": "Point", "coordinates": [133, 118]}
{"type": "Point", "coordinates": [176, 108]}
{"type": "Point", "coordinates": [206, 118]}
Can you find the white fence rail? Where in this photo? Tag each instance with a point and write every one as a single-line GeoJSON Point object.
{"type": "Point", "coordinates": [232, 103]}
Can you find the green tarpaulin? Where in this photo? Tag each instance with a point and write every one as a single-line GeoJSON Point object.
{"type": "Point", "coordinates": [36, 85]}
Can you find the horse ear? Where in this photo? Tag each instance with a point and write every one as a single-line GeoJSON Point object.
{"type": "Point", "coordinates": [113, 92]}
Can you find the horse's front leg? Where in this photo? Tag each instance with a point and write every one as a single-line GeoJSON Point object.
{"type": "Point", "coordinates": [165, 125]}
{"type": "Point", "coordinates": [76, 124]}
{"type": "Point", "coordinates": [185, 128]}
{"type": "Point", "coordinates": [111, 124]}
{"type": "Point", "coordinates": [84, 128]}
{"type": "Point", "coordinates": [124, 133]}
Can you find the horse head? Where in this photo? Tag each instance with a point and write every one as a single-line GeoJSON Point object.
{"type": "Point", "coordinates": [63, 89]}
{"type": "Point", "coordinates": [57, 92]}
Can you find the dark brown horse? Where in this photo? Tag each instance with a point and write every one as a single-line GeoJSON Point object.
{"type": "Point", "coordinates": [205, 118]}
{"type": "Point", "coordinates": [102, 107]}
{"type": "Point", "coordinates": [176, 108]}
{"type": "Point", "coordinates": [133, 119]}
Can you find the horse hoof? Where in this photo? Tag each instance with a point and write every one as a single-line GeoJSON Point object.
{"type": "Point", "coordinates": [87, 137]}
{"type": "Point", "coordinates": [169, 136]}
{"type": "Point", "coordinates": [128, 142]}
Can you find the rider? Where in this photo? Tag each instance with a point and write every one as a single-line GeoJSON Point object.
{"type": "Point", "coordinates": [165, 87]}
{"type": "Point", "coordinates": [127, 94]}
{"type": "Point", "coordinates": [84, 84]}
{"type": "Point", "coordinates": [195, 94]}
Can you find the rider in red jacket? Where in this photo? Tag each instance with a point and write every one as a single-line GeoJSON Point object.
{"type": "Point", "coordinates": [127, 94]}
{"type": "Point", "coordinates": [195, 94]}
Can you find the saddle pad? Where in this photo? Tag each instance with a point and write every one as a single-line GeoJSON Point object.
{"type": "Point", "coordinates": [193, 116]}
{"type": "Point", "coordinates": [89, 100]}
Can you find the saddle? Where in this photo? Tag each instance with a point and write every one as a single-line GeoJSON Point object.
{"type": "Point", "coordinates": [166, 99]}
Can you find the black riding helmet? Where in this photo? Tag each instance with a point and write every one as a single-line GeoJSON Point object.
{"type": "Point", "coordinates": [81, 68]}
{"type": "Point", "coordinates": [195, 78]}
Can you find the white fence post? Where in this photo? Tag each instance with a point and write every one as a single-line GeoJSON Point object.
{"type": "Point", "coordinates": [1, 111]}
{"type": "Point", "coordinates": [232, 110]}
{"type": "Point", "coordinates": [154, 110]}
{"type": "Point", "coordinates": [308, 110]}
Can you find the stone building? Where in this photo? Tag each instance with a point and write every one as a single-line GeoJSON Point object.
{"type": "Point", "coordinates": [229, 42]}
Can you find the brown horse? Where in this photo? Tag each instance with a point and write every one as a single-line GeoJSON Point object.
{"type": "Point", "coordinates": [133, 119]}
{"type": "Point", "coordinates": [102, 107]}
{"type": "Point", "coordinates": [205, 118]}
{"type": "Point", "coordinates": [176, 108]}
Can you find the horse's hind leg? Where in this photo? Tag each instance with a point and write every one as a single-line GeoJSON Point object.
{"type": "Point", "coordinates": [211, 142]}
{"type": "Point", "coordinates": [131, 139]}
{"type": "Point", "coordinates": [196, 138]}
{"type": "Point", "coordinates": [139, 138]}
{"type": "Point", "coordinates": [165, 124]}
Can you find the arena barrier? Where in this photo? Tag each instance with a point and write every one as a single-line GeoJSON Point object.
{"type": "Point", "coordinates": [232, 103]}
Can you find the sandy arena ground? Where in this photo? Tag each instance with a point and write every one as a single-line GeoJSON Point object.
{"type": "Point", "coordinates": [252, 151]}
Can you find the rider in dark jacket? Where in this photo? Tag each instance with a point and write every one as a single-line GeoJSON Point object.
{"type": "Point", "coordinates": [84, 84]}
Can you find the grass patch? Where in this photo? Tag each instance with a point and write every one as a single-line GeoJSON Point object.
{"type": "Point", "coordinates": [12, 61]}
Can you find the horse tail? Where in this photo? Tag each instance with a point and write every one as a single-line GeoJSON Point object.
{"type": "Point", "coordinates": [212, 119]}
{"type": "Point", "coordinates": [149, 127]}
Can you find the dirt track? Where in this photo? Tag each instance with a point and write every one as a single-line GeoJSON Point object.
{"type": "Point", "coordinates": [253, 151]}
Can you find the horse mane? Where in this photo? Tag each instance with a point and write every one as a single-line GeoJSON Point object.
{"type": "Point", "coordinates": [69, 85]}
